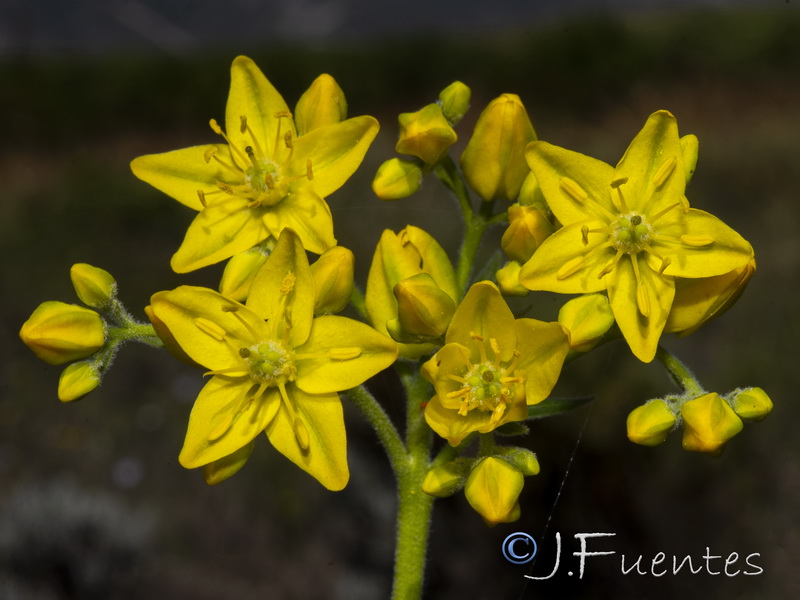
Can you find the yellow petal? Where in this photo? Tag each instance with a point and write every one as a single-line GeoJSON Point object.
{"type": "Point", "coordinates": [180, 173]}
{"type": "Point", "coordinates": [484, 313]}
{"type": "Point", "coordinates": [326, 370]}
{"type": "Point", "coordinates": [642, 333]}
{"type": "Point", "coordinates": [252, 96]}
{"type": "Point", "coordinates": [493, 488]}
{"type": "Point", "coordinates": [564, 264]}
{"type": "Point", "coordinates": [222, 229]}
{"type": "Point", "coordinates": [551, 164]}
{"type": "Point", "coordinates": [335, 152]}
{"type": "Point", "coordinates": [284, 286]}
{"type": "Point", "coordinates": [308, 215]}
{"type": "Point", "coordinates": [321, 104]}
{"type": "Point", "coordinates": [227, 466]}
{"type": "Point", "coordinates": [58, 332]}
{"type": "Point", "coordinates": [224, 420]}
{"type": "Point", "coordinates": [454, 361]}
{"type": "Point", "coordinates": [543, 348]}
{"type": "Point", "coordinates": [325, 455]}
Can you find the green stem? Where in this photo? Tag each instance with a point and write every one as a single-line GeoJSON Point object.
{"type": "Point", "coordinates": [415, 506]}
{"type": "Point", "coordinates": [386, 431]}
{"type": "Point", "coordinates": [679, 373]}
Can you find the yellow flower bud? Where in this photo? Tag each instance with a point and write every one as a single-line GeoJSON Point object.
{"type": "Point", "coordinates": [425, 134]}
{"type": "Point", "coordinates": [170, 343]}
{"type": "Point", "coordinates": [59, 333]}
{"type": "Point", "coordinates": [333, 280]}
{"type": "Point", "coordinates": [587, 318]}
{"type": "Point", "coordinates": [227, 466]}
{"type": "Point", "coordinates": [508, 280]}
{"type": "Point", "coordinates": [323, 103]}
{"type": "Point", "coordinates": [522, 459]}
{"type": "Point", "coordinates": [690, 146]}
{"type": "Point", "coordinates": [494, 160]}
{"type": "Point", "coordinates": [708, 423]}
{"type": "Point", "coordinates": [752, 404]}
{"type": "Point", "coordinates": [454, 100]}
{"type": "Point", "coordinates": [528, 227]}
{"type": "Point", "coordinates": [700, 300]}
{"type": "Point", "coordinates": [397, 178]}
{"type": "Point", "coordinates": [530, 194]}
{"type": "Point", "coordinates": [241, 269]}
{"type": "Point", "coordinates": [94, 286]}
{"type": "Point", "coordinates": [493, 488]}
{"type": "Point", "coordinates": [398, 256]}
{"type": "Point", "coordinates": [446, 479]}
{"type": "Point", "coordinates": [423, 308]}
{"type": "Point", "coordinates": [77, 380]}
{"type": "Point", "coordinates": [650, 424]}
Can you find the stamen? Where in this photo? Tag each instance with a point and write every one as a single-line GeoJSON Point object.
{"type": "Point", "coordinates": [496, 349]}
{"type": "Point", "coordinates": [301, 434]}
{"type": "Point", "coordinates": [684, 204]}
{"type": "Point", "coordinates": [585, 235]}
{"type": "Point", "coordinates": [201, 194]}
{"type": "Point", "coordinates": [210, 328]}
{"type": "Point", "coordinates": [245, 128]}
{"type": "Point", "coordinates": [225, 187]}
{"type": "Point", "coordinates": [575, 191]}
{"type": "Point", "coordinates": [218, 130]}
{"type": "Point", "coordinates": [617, 185]}
{"type": "Point", "coordinates": [570, 267]}
{"type": "Point", "coordinates": [642, 297]}
{"type": "Point", "coordinates": [657, 216]}
{"type": "Point", "coordinates": [497, 413]}
{"type": "Point", "coordinates": [344, 353]}
{"type": "Point", "coordinates": [309, 172]}
{"type": "Point", "coordinates": [269, 181]}
{"type": "Point", "coordinates": [697, 241]}
{"type": "Point", "coordinates": [456, 378]}
{"type": "Point", "coordinates": [611, 265]}
{"type": "Point", "coordinates": [287, 139]}
{"type": "Point", "coordinates": [459, 392]}
{"type": "Point", "coordinates": [664, 171]}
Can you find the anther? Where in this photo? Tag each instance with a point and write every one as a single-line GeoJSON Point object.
{"type": "Point", "coordinates": [202, 196]}
{"type": "Point", "coordinates": [664, 171]}
{"type": "Point", "coordinates": [570, 267]}
{"type": "Point", "coordinates": [210, 328]}
{"type": "Point", "coordinates": [301, 434]}
{"type": "Point", "coordinates": [225, 187]}
{"type": "Point", "coordinates": [242, 124]}
{"type": "Point", "coordinates": [269, 181]}
{"type": "Point", "coordinates": [585, 235]}
{"type": "Point", "coordinates": [287, 139]}
{"type": "Point", "coordinates": [229, 308]}
{"type": "Point", "coordinates": [209, 153]}
{"type": "Point", "coordinates": [309, 172]}
{"type": "Point", "coordinates": [215, 127]}
{"type": "Point", "coordinates": [697, 241]}
{"type": "Point", "coordinates": [575, 191]}
{"type": "Point", "coordinates": [618, 182]}
{"type": "Point", "coordinates": [347, 353]}
{"type": "Point", "coordinates": [244, 352]}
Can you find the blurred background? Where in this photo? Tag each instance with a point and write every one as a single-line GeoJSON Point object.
{"type": "Point", "coordinates": [93, 503]}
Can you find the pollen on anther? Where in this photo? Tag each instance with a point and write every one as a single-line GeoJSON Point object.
{"type": "Point", "coordinates": [585, 235]}
{"type": "Point", "coordinates": [287, 139]}
{"type": "Point", "coordinates": [215, 126]}
{"type": "Point", "coordinates": [202, 196]}
{"type": "Point", "coordinates": [287, 285]}
{"type": "Point", "coordinates": [664, 171]}
{"type": "Point", "coordinates": [697, 241]}
{"type": "Point", "coordinates": [309, 172]}
{"type": "Point", "coordinates": [575, 191]}
{"type": "Point", "coordinates": [210, 328]}
{"type": "Point", "coordinates": [570, 267]}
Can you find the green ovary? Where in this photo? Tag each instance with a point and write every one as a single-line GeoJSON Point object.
{"type": "Point", "coordinates": [270, 362]}
{"type": "Point", "coordinates": [631, 234]}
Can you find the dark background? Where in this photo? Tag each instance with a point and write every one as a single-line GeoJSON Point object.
{"type": "Point", "coordinates": [93, 503]}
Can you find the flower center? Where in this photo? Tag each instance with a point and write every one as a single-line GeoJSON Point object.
{"type": "Point", "coordinates": [265, 180]}
{"type": "Point", "coordinates": [631, 233]}
{"type": "Point", "coordinates": [270, 363]}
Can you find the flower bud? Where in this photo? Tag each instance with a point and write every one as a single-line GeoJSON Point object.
{"type": "Point", "coordinates": [77, 380]}
{"type": "Point", "coordinates": [454, 100]}
{"type": "Point", "coordinates": [690, 146]}
{"type": "Point", "coordinates": [493, 488]}
{"type": "Point", "coordinates": [700, 300]}
{"type": "Point", "coordinates": [59, 333]}
{"type": "Point", "coordinates": [708, 423]}
{"type": "Point", "coordinates": [423, 308]}
{"type": "Point", "coordinates": [522, 459]}
{"type": "Point", "coordinates": [650, 424]}
{"type": "Point", "coordinates": [397, 178]}
{"type": "Point", "coordinates": [398, 256]}
{"type": "Point", "coordinates": [425, 134]}
{"type": "Point", "coordinates": [241, 269]}
{"type": "Point", "coordinates": [494, 159]}
{"type": "Point", "coordinates": [508, 280]}
{"type": "Point", "coordinates": [94, 286]}
{"type": "Point", "coordinates": [587, 318]}
{"type": "Point", "coordinates": [447, 479]}
{"type": "Point", "coordinates": [527, 229]}
{"type": "Point", "coordinates": [333, 280]}
{"type": "Point", "coordinates": [227, 466]}
{"type": "Point", "coordinates": [323, 103]}
{"type": "Point", "coordinates": [752, 404]}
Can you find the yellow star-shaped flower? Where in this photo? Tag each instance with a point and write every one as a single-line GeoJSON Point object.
{"type": "Point", "coordinates": [628, 230]}
{"type": "Point", "coordinates": [263, 179]}
{"type": "Point", "coordinates": [274, 367]}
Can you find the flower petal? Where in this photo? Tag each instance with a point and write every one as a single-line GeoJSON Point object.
{"type": "Point", "coordinates": [325, 456]}
{"type": "Point", "coordinates": [308, 214]}
{"type": "Point", "coordinates": [215, 341]}
{"type": "Point", "coordinates": [180, 173]}
{"type": "Point", "coordinates": [222, 229]}
{"type": "Point", "coordinates": [642, 333]}
{"type": "Point", "coordinates": [284, 288]}
{"type": "Point", "coordinates": [335, 152]}
{"type": "Point", "coordinates": [224, 420]}
{"type": "Point", "coordinates": [342, 353]}
{"type": "Point", "coordinates": [543, 348]}
{"type": "Point", "coordinates": [725, 251]}
{"type": "Point", "coordinates": [564, 264]}
{"type": "Point", "coordinates": [653, 166]}
{"type": "Point", "coordinates": [453, 360]}
{"type": "Point", "coordinates": [252, 96]}
{"type": "Point", "coordinates": [483, 312]}
{"type": "Point", "coordinates": [552, 164]}
{"type": "Point", "coordinates": [454, 427]}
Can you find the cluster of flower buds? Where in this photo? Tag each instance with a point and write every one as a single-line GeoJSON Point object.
{"type": "Point", "coordinates": [60, 333]}
{"type": "Point", "coordinates": [709, 420]}
{"type": "Point", "coordinates": [492, 484]}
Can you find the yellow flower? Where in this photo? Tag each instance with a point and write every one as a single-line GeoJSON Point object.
{"type": "Point", "coordinates": [493, 488]}
{"type": "Point", "coordinates": [57, 332]}
{"type": "Point", "coordinates": [491, 367]}
{"type": "Point", "coordinates": [628, 230]}
{"type": "Point", "coordinates": [264, 178]}
{"type": "Point", "coordinates": [274, 367]}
